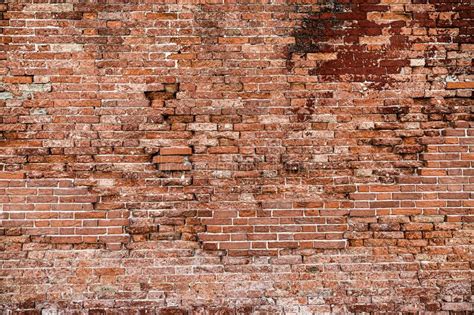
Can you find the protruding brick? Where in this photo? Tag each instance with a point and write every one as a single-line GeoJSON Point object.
{"type": "Point", "coordinates": [176, 151]}
{"type": "Point", "coordinates": [175, 167]}
{"type": "Point", "coordinates": [460, 85]}
{"type": "Point", "coordinates": [168, 159]}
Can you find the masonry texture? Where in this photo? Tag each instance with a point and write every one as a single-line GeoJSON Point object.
{"type": "Point", "coordinates": [236, 156]}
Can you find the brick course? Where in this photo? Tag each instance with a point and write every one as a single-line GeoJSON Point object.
{"type": "Point", "coordinates": [236, 156]}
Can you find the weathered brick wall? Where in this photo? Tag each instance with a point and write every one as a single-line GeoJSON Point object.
{"type": "Point", "coordinates": [236, 156]}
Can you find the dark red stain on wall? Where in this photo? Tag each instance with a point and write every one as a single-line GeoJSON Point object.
{"type": "Point", "coordinates": [364, 41]}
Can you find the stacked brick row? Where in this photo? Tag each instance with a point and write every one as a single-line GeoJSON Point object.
{"type": "Point", "coordinates": [173, 159]}
{"type": "Point", "coordinates": [236, 157]}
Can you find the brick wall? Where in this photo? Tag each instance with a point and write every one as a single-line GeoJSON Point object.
{"type": "Point", "coordinates": [236, 156]}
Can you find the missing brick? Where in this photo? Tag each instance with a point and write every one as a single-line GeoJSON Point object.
{"type": "Point", "coordinates": [158, 98]}
{"type": "Point", "coordinates": [304, 114]}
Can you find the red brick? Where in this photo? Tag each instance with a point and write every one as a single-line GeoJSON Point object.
{"type": "Point", "coordinates": [176, 151]}
{"type": "Point", "coordinates": [329, 244]}
{"type": "Point", "coordinates": [161, 16]}
{"type": "Point", "coordinates": [233, 40]}
{"type": "Point", "coordinates": [223, 150]}
{"type": "Point", "coordinates": [12, 175]}
{"type": "Point", "coordinates": [168, 159]}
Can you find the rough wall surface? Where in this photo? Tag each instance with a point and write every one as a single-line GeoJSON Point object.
{"type": "Point", "coordinates": [231, 156]}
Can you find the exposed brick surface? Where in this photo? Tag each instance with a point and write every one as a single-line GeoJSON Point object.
{"type": "Point", "coordinates": [235, 157]}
